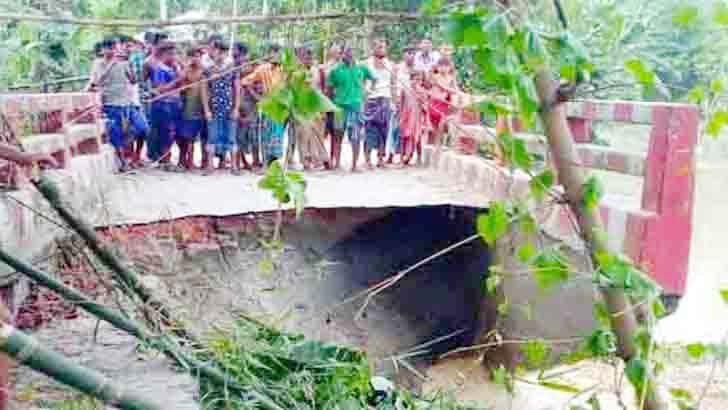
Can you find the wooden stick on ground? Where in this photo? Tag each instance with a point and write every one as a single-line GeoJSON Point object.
{"type": "Point", "coordinates": [28, 351]}
{"type": "Point", "coordinates": [109, 315]}
{"type": "Point", "coordinates": [127, 278]}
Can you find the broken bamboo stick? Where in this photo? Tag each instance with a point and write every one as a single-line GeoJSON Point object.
{"type": "Point", "coordinates": [28, 351]}
{"type": "Point", "coordinates": [127, 278]}
{"type": "Point", "coordinates": [112, 317]}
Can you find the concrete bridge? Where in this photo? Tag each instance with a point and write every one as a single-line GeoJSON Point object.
{"type": "Point", "coordinates": [653, 226]}
{"type": "Point", "coordinates": [651, 221]}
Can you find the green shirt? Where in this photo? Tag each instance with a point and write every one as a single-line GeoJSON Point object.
{"type": "Point", "coordinates": [348, 85]}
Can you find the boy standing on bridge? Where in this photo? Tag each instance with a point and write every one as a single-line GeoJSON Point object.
{"type": "Point", "coordinates": [113, 76]}
{"type": "Point", "coordinates": [193, 116]}
{"type": "Point", "coordinates": [221, 102]}
{"type": "Point", "coordinates": [347, 81]}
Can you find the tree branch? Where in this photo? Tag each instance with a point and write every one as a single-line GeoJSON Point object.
{"type": "Point", "coordinates": [380, 15]}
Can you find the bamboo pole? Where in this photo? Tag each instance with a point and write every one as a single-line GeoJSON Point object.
{"type": "Point", "coordinates": [109, 315]}
{"type": "Point", "coordinates": [281, 18]}
{"type": "Point", "coordinates": [123, 274]}
{"type": "Point", "coordinates": [28, 351]}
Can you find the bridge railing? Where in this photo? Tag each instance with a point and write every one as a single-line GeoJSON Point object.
{"type": "Point", "coordinates": [657, 233]}
{"type": "Point", "coordinates": [63, 125]}
{"type": "Point", "coordinates": [660, 234]}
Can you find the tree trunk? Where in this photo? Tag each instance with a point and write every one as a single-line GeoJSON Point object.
{"type": "Point", "coordinates": [31, 353]}
{"type": "Point", "coordinates": [566, 159]}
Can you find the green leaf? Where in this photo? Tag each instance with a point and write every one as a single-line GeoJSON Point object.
{"type": "Point", "coordinates": [716, 122]}
{"type": "Point", "coordinates": [504, 307]}
{"type": "Point", "coordinates": [602, 342]}
{"type": "Point", "coordinates": [493, 108]}
{"type": "Point", "coordinates": [573, 61]}
{"type": "Point", "coordinates": [431, 7]}
{"type": "Point", "coordinates": [617, 272]}
{"type": "Point", "coordinates": [493, 224]}
{"type": "Point", "coordinates": [277, 106]}
{"type": "Point", "coordinates": [724, 295]}
{"type": "Point", "coordinates": [720, 14]}
{"type": "Point", "coordinates": [601, 314]}
{"type": "Point", "coordinates": [502, 377]}
{"type": "Point", "coordinates": [550, 268]}
{"type": "Point", "coordinates": [716, 86]}
{"type": "Point", "coordinates": [541, 183]}
{"type": "Point", "coordinates": [265, 266]}
{"type": "Point", "coordinates": [491, 283]}
{"type": "Point", "coordinates": [658, 308]}
{"type": "Point", "coordinates": [526, 223]}
{"type": "Point", "coordinates": [285, 186]}
{"type": "Point", "coordinates": [536, 352]}
{"type": "Point", "coordinates": [645, 76]}
{"type": "Point", "coordinates": [591, 192]}
{"type": "Point", "coordinates": [466, 29]}
{"type": "Point", "coordinates": [528, 44]}
{"type": "Point", "coordinates": [696, 350]}
{"type": "Point", "coordinates": [566, 388]}
{"type": "Point", "coordinates": [636, 371]}
{"type": "Point", "coordinates": [686, 16]}
{"type": "Point", "coordinates": [681, 394]}
{"type": "Point", "coordinates": [516, 151]}
{"type": "Point", "coordinates": [526, 252]}
{"type": "Point", "coordinates": [696, 95]}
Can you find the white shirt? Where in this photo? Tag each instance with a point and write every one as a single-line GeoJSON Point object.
{"type": "Point", "coordinates": [423, 63]}
{"type": "Point", "coordinates": [384, 75]}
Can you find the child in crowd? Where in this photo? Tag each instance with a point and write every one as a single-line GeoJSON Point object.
{"type": "Point", "coordinates": [193, 115]}
{"type": "Point", "coordinates": [166, 108]}
{"type": "Point", "coordinates": [221, 102]}
{"type": "Point", "coordinates": [247, 119]}
{"type": "Point", "coordinates": [414, 121]}
{"type": "Point", "coordinates": [113, 77]}
{"type": "Point", "coordinates": [442, 94]}
{"type": "Point", "coordinates": [135, 50]}
{"type": "Point", "coordinates": [249, 124]}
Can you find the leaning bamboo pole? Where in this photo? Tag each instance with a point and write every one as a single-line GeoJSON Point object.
{"type": "Point", "coordinates": [127, 278]}
{"type": "Point", "coordinates": [282, 18]}
{"type": "Point", "coordinates": [29, 352]}
{"type": "Point", "coordinates": [106, 314]}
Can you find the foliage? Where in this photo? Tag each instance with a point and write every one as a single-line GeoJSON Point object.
{"type": "Point", "coordinates": [285, 371]}
{"type": "Point", "coordinates": [286, 186]}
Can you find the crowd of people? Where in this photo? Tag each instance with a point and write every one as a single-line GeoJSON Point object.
{"type": "Point", "coordinates": [155, 96]}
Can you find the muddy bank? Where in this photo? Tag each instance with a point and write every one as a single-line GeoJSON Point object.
{"type": "Point", "coordinates": [213, 270]}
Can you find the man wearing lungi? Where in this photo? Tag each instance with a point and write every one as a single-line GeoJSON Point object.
{"type": "Point", "coordinates": [347, 81]}
{"type": "Point", "coordinates": [378, 111]}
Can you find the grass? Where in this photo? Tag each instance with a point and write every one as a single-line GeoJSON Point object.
{"type": "Point", "coordinates": [282, 371]}
{"type": "Point", "coordinates": [77, 403]}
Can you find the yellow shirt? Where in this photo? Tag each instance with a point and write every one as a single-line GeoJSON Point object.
{"type": "Point", "coordinates": [270, 75]}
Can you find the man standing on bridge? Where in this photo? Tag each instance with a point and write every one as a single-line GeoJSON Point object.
{"type": "Point", "coordinates": [347, 81]}
{"type": "Point", "coordinates": [378, 112]}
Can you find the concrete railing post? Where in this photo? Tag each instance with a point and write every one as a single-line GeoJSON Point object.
{"type": "Point", "coordinates": [668, 192]}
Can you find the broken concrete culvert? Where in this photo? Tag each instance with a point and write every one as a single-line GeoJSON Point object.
{"type": "Point", "coordinates": [211, 270]}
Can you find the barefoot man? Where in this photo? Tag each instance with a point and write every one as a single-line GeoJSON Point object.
{"type": "Point", "coordinates": [347, 82]}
